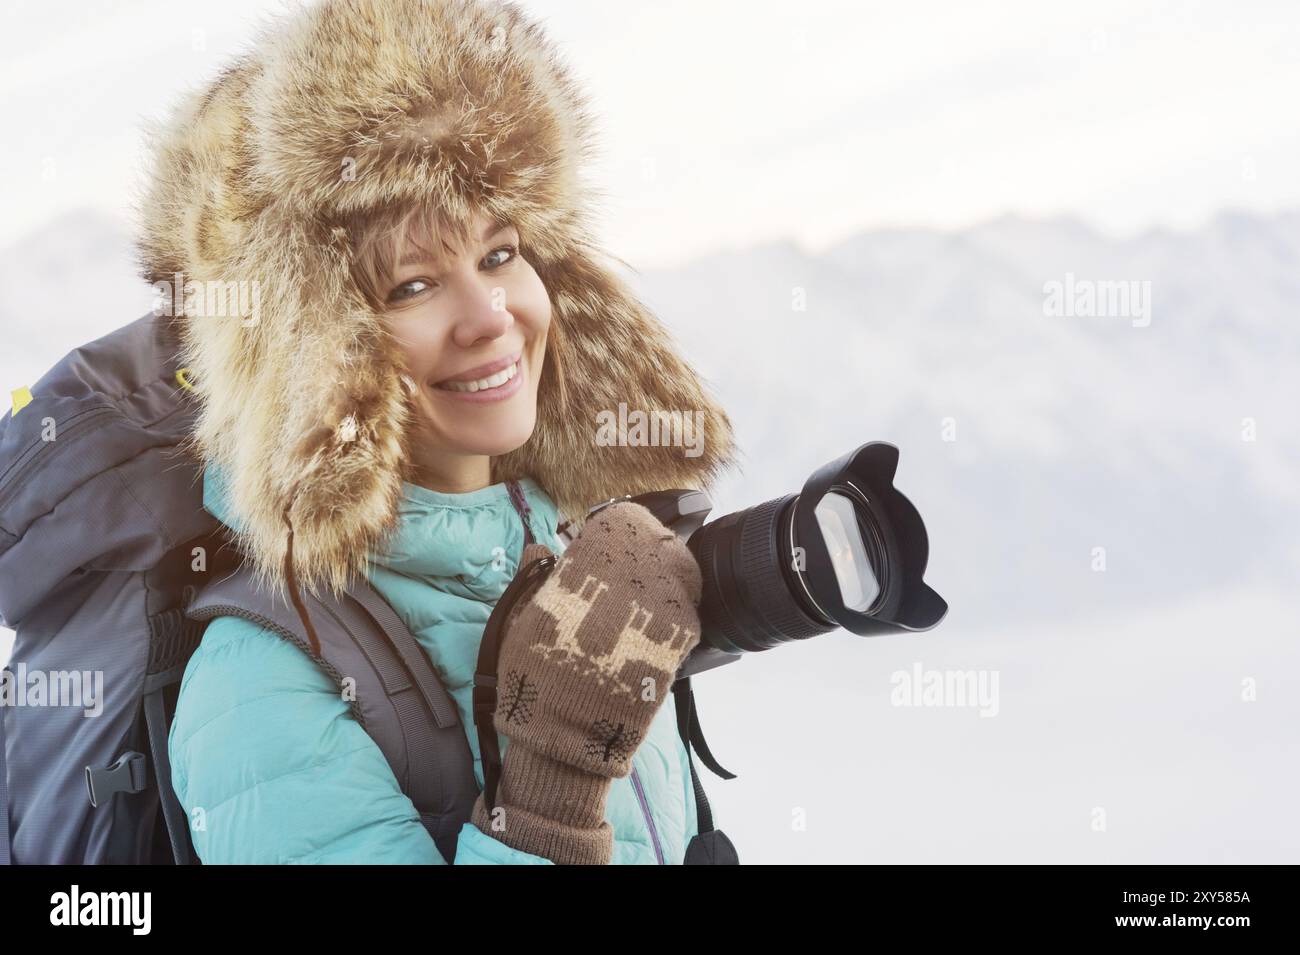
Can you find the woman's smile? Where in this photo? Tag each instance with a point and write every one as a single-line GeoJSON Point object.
{"type": "Point", "coordinates": [496, 386]}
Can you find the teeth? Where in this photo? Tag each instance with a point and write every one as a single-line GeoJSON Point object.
{"type": "Point", "coordinates": [493, 381]}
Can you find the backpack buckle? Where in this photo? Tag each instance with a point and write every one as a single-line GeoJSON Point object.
{"type": "Point", "coordinates": [126, 775]}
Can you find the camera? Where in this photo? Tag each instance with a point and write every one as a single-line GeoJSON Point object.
{"type": "Point", "coordinates": [848, 550]}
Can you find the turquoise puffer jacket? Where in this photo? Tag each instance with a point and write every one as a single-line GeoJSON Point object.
{"type": "Point", "coordinates": [272, 767]}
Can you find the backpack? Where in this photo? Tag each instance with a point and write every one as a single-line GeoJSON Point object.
{"type": "Point", "coordinates": [110, 570]}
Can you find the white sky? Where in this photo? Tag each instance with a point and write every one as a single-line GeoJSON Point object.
{"type": "Point", "coordinates": [727, 123]}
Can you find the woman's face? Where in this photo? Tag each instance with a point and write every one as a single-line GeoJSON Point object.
{"type": "Point", "coordinates": [472, 327]}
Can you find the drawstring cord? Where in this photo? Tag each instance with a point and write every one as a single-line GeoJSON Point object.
{"type": "Point", "coordinates": [521, 506]}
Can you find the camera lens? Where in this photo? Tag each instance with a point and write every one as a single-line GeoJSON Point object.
{"type": "Point", "coordinates": [753, 595]}
{"type": "Point", "coordinates": [849, 550]}
{"type": "Point", "coordinates": [843, 533]}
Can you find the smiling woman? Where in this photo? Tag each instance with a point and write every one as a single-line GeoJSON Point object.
{"type": "Point", "coordinates": [414, 407]}
{"type": "Point", "coordinates": [470, 317]}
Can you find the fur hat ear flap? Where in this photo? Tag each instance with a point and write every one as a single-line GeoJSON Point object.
{"type": "Point", "coordinates": [351, 479]}
{"type": "Point", "coordinates": [304, 408]}
{"type": "Point", "coordinates": [346, 459]}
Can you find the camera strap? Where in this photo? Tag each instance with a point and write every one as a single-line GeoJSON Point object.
{"type": "Point", "coordinates": [489, 650]}
{"type": "Point", "coordinates": [710, 846]}
{"type": "Point", "coordinates": [485, 673]}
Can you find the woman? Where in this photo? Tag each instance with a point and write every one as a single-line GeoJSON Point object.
{"type": "Point", "coordinates": [399, 182]}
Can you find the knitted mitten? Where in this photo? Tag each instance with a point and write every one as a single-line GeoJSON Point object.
{"type": "Point", "coordinates": [585, 664]}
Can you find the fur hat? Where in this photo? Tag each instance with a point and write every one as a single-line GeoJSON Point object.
{"type": "Point", "coordinates": [351, 106]}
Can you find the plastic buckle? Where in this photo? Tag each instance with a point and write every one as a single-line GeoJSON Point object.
{"type": "Point", "coordinates": [126, 775]}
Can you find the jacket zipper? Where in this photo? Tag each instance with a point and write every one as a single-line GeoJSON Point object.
{"type": "Point", "coordinates": [649, 820]}
{"type": "Point", "coordinates": [13, 476]}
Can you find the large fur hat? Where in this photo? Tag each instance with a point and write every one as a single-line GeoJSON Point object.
{"type": "Point", "coordinates": [351, 106]}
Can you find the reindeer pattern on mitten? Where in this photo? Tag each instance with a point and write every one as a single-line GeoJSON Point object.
{"type": "Point", "coordinates": [584, 643]}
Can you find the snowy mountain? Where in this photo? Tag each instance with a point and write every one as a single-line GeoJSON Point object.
{"type": "Point", "coordinates": [1071, 433]}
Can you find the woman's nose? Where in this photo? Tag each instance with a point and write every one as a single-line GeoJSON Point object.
{"type": "Point", "coordinates": [482, 314]}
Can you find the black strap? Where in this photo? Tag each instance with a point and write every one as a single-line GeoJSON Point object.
{"type": "Point", "coordinates": [412, 655]}
{"type": "Point", "coordinates": [489, 651]}
{"type": "Point", "coordinates": [682, 699]}
{"type": "Point", "coordinates": [709, 846]}
{"type": "Point", "coordinates": [485, 673]}
{"type": "Point", "coordinates": [172, 641]}
{"type": "Point", "coordinates": [688, 728]}
{"type": "Point", "coordinates": [688, 725]}
{"type": "Point", "coordinates": [155, 718]}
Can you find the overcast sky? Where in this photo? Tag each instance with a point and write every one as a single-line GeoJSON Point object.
{"type": "Point", "coordinates": [728, 122]}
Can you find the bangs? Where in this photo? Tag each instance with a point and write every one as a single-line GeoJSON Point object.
{"type": "Point", "coordinates": [384, 238]}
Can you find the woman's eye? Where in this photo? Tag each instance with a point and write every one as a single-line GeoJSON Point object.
{"type": "Point", "coordinates": [505, 248]}
{"type": "Point", "coordinates": [497, 258]}
{"type": "Point", "coordinates": [407, 290]}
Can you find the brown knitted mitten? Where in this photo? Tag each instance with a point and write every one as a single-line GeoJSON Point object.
{"type": "Point", "coordinates": [585, 664]}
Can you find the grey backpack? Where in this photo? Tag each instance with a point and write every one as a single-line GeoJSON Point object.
{"type": "Point", "coordinates": [110, 569]}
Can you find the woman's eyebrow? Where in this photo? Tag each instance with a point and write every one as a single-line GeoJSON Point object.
{"type": "Point", "coordinates": [417, 257]}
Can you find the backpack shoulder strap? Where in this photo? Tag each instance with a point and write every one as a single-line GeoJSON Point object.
{"type": "Point", "coordinates": [396, 694]}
